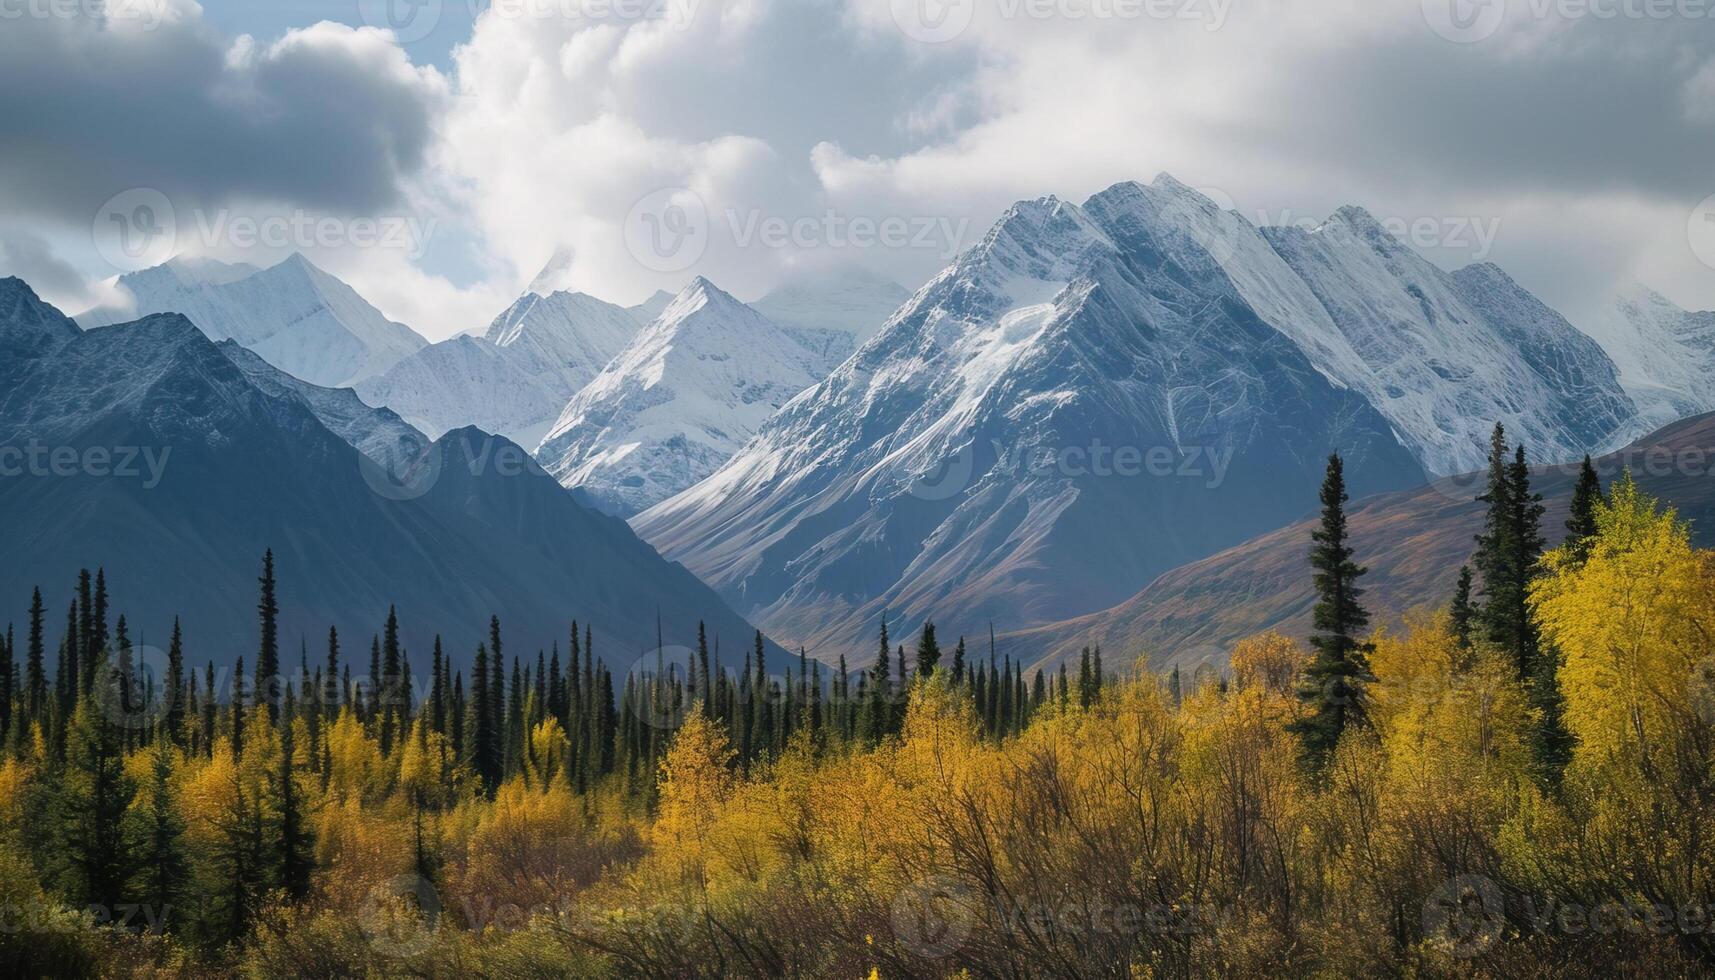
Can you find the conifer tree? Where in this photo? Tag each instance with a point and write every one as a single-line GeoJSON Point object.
{"type": "Point", "coordinates": [173, 719]}
{"type": "Point", "coordinates": [1581, 525]}
{"type": "Point", "coordinates": [928, 651]}
{"type": "Point", "coordinates": [297, 840]}
{"type": "Point", "coordinates": [268, 654]}
{"type": "Point", "coordinates": [480, 725]}
{"type": "Point", "coordinates": [165, 867]}
{"type": "Point", "coordinates": [959, 663]}
{"type": "Point", "coordinates": [236, 710]}
{"type": "Point", "coordinates": [1463, 612]}
{"type": "Point", "coordinates": [94, 840]}
{"type": "Point", "coordinates": [208, 710]}
{"type": "Point", "coordinates": [1333, 685]}
{"type": "Point", "coordinates": [8, 681]}
{"type": "Point", "coordinates": [35, 672]}
{"type": "Point", "coordinates": [333, 694]}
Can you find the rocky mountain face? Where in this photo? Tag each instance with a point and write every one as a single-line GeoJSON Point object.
{"type": "Point", "coordinates": [514, 379]}
{"type": "Point", "coordinates": [1085, 400]}
{"type": "Point", "coordinates": [187, 462]}
{"type": "Point", "coordinates": [1413, 543]}
{"type": "Point", "coordinates": [689, 390]}
{"type": "Point", "coordinates": [1666, 355]}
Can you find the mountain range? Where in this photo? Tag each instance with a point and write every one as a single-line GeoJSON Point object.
{"type": "Point", "coordinates": [295, 316]}
{"type": "Point", "coordinates": [688, 391]}
{"type": "Point", "coordinates": [1412, 541]}
{"type": "Point", "coordinates": [944, 469]}
{"type": "Point", "coordinates": [1094, 398]}
{"type": "Point", "coordinates": [228, 458]}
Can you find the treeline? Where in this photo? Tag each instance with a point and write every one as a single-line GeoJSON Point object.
{"type": "Point", "coordinates": [1521, 783]}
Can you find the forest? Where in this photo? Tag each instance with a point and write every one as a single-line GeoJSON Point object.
{"type": "Point", "coordinates": [1519, 783]}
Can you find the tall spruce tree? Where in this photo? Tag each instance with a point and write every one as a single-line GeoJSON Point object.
{"type": "Point", "coordinates": [297, 840]}
{"type": "Point", "coordinates": [268, 652]}
{"type": "Point", "coordinates": [1334, 680]}
{"type": "Point", "coordinates": [165, 866]}
{"type": "Point", "coordinates": [1581, 525]}
{"type": "Point", "coordinates": [94, 841]}
{"type": "Point", "coordinates": [1463, 613]}
{"type": "Point", "coordinates": [928, 651]}
{"type": "Point", "coordinates": [35, 669]}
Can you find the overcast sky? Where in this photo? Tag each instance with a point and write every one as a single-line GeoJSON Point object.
{"type": "Point", "coordinates": [438, 153]}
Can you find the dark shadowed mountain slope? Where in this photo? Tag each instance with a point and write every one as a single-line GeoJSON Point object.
{"type": "Point", "coordinates": [1412, 541]}
{"type": "Point", "coordinates": [186, 470]}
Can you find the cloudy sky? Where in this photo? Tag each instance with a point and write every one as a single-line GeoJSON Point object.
{"type": "Point", "coordinates": [437, 154]}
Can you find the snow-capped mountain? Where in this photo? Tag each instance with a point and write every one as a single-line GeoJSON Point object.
{"type": "Point", "coordinates": [1081, 402]}
{"type": "Point", "coordinates": [1666, 355]}
{"type": "Point", "coordinates": [203, 468]}
{"type": "Point", "coordinates": [517, 376]}
{"type": "Point", "coordinates": [833, 313]}
{"type": "Point", "coordinates": [689, 391]}
{"type": "Point", "coordinates": [1443, 356]}
{"type": "Point", "coordinates": [295, 316]}
{"type": "Point", "coordinates": [377, 433]}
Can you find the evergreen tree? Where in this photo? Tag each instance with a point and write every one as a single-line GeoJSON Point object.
{"type": "Point", "coordinates": [8, 681]}
{"type": "Point", "coordinates": [1463, 612]}
{"type": "Point", "coordinates": [94, 842]}
{"type": "Point", "coordinates": [173, 719]}
{"type": "Point", "coordinates": [35, 672]}
{"type": "Point", "coordinates": [1175, 689]}
{"type": "Point", "coordinates": [208, 710]}
{"type": "Point", "coordinates": [297, 841]}
{"type": "Point", "coordinates": [480, 726]}
{"type": "Point", "coordinates": [959, 663]}
{"type": "Point", "coordinates": [1581, 525]}
{"type": "Point", "coordinates": [928, 651]}
{"type": "Point", "coordinates": [268, 654]}
{"type": "Point", "coordinates": [165, 867]}
{"type": "Point", "coordinates": [1333, 686]}
{"type": "Point", "coordinates": [389, 693]}
{"type": "Point", "coordinates": [332, 679]}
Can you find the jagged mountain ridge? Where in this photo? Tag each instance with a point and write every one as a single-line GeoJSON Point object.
{"type": "Point", "coordinates": [517, 376]}
{"type": "Point", "coordinates": [1665, 354]}
{"type": "Point", "coordinates": [691, 388]}
{"type": "Point", "coordinates": [478, 530]}
{"type": "Point", "coordinates": [895, 486]}
{"type": "Point", "coordinates": [294, 315]}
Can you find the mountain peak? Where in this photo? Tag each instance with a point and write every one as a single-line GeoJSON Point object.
{"type": "Point", "coordinates": [28, 317]}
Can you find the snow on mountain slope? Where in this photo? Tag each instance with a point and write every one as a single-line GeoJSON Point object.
{"type": "Point", "coordinates": [1442, 355]}
{"type": "Point", "coordinates": [378, 433]}
{"type": "Point", "coordinates": [833, 314]}
{"type": "Point", "coordinates": [1665, 354]}
{"type": "Point", "coordinates": [205, 469]}
{"type": "Point", "coordinates": [1073, 407]}
{"type": "Point", "coordinates": [677, 403]}
{"type": "Point", "coordinates": [516, 378]}
{"type": "Point", "coordinates": [646, 311]}
{"type": "Point", "coordinates": [1447, 355]}
{"type": "Point", "coordinates": [297, 317]}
